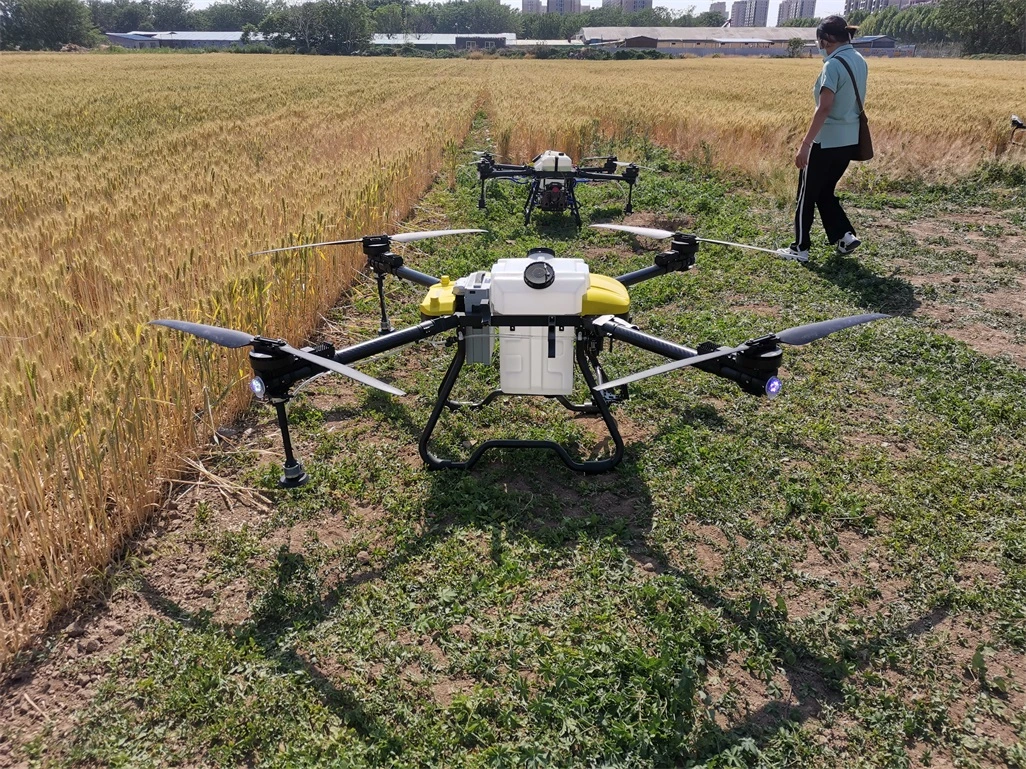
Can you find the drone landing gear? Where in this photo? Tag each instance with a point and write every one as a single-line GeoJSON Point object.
{"type": "Point", "coordinates": [293, 474]}
{"type": "Point", "coordinates": [579, 408]}
{"type": "Point", "coordinates": [599, 405]}
{"type": "Point", "coordinates": [386, 324]}
{"type": "Point", "coordinates": [572, 200]}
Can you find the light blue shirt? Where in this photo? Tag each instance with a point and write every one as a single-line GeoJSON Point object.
{"type": "Point", "coordinates": [842, 124]}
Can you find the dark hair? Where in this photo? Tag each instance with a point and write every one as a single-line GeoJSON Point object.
{"type": "Point", "coordinates": [834, 29]}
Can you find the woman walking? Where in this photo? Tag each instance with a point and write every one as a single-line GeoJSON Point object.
{"type": "Point", "coordinates": [831, 141]}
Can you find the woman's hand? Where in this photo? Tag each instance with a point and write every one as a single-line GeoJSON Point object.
{"type": "Point", "coordinates": [801, 158]}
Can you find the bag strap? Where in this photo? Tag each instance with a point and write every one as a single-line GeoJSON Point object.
{"type": "Point", "coordinates": [858, 98]}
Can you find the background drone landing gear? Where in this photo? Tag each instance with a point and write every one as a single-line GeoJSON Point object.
{"type": "Point", "coordinates": [600, 403]}
{"type": "Point", "coordinates": [532, 198]}
{"type": "Point", "coordinates": [293, 474]}
{"type": "Point", "coordinates": [386, 324]}
{"type": "Point", "coordinates": [572, 200]}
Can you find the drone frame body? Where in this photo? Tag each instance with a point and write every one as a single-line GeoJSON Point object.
{"type": "Point", "coordinates": [752, 365]}
{"type": "Point", "coordinates": [488, 169]}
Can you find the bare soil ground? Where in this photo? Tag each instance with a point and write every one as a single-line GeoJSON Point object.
{"type": "Point", "coordinates": [968, 268]}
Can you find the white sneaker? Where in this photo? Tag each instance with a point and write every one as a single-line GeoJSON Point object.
{"type": "Point", "coordinates": [847, 244]}
{"type": "Point", "coordinates": [793, 254]}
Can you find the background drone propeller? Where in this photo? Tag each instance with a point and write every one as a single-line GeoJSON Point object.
{"type": "Point", "coordinates": [651, 232]}
{"type": "Point", "coordinates": [402, 237]}
{"type": "Point", "coordinates": [795, 336]}
{"type": "Point", "coordinates": [228, 337]}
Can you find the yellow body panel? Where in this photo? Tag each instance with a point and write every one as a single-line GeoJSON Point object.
{"type": "Point", "coordinates": [605, 296]}
{"type": "Point", "coordinates": [439, 300]}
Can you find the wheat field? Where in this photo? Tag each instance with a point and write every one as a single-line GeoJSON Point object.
{"type": "Point", "coordinates": [133, 187]}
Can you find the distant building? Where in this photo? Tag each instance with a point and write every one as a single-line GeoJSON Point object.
{"type": "Point", "coordinates": [186, 39]}
{"type": "Point", "coordinates": [795, 9]}
{"type": "Point", "coordinates": [629, 6]}
{"type": "Point", "coordinates": [870, 6]}
{"type": "Point", "coordinates": [720, 8]}
{"type": "Point", "coordinates": [749, 13]}
{"type": "Point", "coordinates": [700, 41]}
{"type": "Point", "coordinates": [131, 40]}
{"type": "Point", "coordinates": [435, 41]}
{"type": "Point", "coordinates": [528, 44]}
{"type": "Point", "coordinates": [737, 13]}
{"type": "Point", "coordinates": [873, 43]}
{"type": "Point", "coordinates": [756, 12]}
{"type": "Point", "coordinates": [532, 7]}
{"type": "Point", "coordinates": [563, 6]}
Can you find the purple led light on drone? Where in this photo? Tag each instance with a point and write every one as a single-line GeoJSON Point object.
{"type": "Point", "coordinates": [773, 386]}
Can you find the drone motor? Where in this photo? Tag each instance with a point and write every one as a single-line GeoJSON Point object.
{"type": "Point", "coordinates": [754, 370]}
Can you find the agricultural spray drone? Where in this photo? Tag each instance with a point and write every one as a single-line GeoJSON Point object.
{"type": "Point", "coordinates": [1017, 125]}
{"type": "Point", "coordinates": [548, 315]}
{"type": "Point", "coordinates": [554, 178]}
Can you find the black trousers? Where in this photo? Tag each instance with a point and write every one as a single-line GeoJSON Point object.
{"type": "Point", "coordinates": [816, 183]}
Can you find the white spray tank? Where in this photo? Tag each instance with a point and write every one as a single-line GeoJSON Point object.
{"type": "Point", "coordinates": [539, 285]}
{"type": "Point", "coordinates": [550, 160]}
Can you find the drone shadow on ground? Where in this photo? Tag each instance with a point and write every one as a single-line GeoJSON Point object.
{"type": "Point", "coordinates": [621, 511]}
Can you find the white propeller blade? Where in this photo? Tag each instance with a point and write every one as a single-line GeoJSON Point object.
{"type": "Point", "coordinates": [402, 237]}
{"type": "Point", "coordinates": [227, 337]}
{"type": "Point", "coordinates": [410, 237]}
{"type": "Point", "coordinates": [671, 366]}
{"type": "Point", "coordinates": [645, 232]}
{"type": "Point", "coordinates": [651, 232]}
{"type": "Point", "coordinates": [796, 335]}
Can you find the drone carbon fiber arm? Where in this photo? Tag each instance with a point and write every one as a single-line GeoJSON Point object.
{"type": "Point", "coordinates": [625, 332]}
{"type": "Point", "coordinates": [596, 175]}
{"type": "Point", "coordinates": [751, 379]}
{"type": "Point", "coordinates": [398, 338]}
{"type": "Point", "coordinates": [513, 167]}
{"type": "Point", "coordinates": [513, 172]}
{"type": "Point", "coordinates": [420, 278]}
{"type": "Point", "coordinates": [629, 175]}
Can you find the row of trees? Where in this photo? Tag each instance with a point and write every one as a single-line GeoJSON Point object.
{"type": "Point", "coordinates": [385, 16]}
{"type": "Point", "coordinates": [148, 15]}
{"type": "Point", "coordinates": [328, 26]}
{"type": "Point", "coordinates": [980, 26]}
{"type": "Point", "coordinates": [345, 26]}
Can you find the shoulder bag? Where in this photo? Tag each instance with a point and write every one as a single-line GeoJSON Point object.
{"type": "Point", "coordinates": [865, 146]}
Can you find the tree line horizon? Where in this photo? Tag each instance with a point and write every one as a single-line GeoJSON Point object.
{"type": "Point", "coordinates": [345, 26]}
